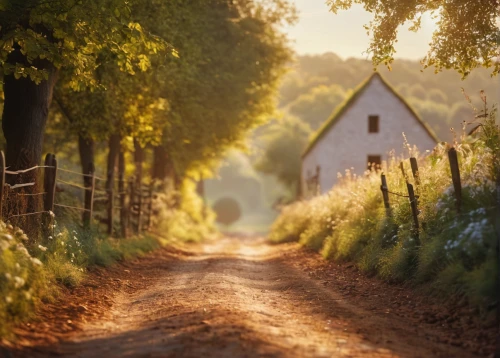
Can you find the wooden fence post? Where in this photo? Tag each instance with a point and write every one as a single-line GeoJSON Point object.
{"type": "Point", "coordinates": [414, 170]}
{"type": "Point", "coordinates": [414, 210]}
{"type": "Point", "coordinates": [139, 208]}
{"type": "Point", "coordinates": [111, 203]}
{"type": "Point", "coordinates": [89, 197]}
{"type": "Point", "coordinates": [455, 176]}
{"type": "Point", "coordinates": [123, 209]}
{"type": "Point", "coordinates": [403, 171]}
{"type": "Point", "coordinates": [130, 211]}
{"type": "Point", "coordinates": [50, 182]}
{"type": "Point", "coordinates": [2, 181]}
{"type": "Point", "coordinates": [150, 205]}
{"type": "Point", "coordinates": [385, 192]}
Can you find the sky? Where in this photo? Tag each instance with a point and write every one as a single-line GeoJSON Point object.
{"type": "Point", "coordinates": [320, 30]}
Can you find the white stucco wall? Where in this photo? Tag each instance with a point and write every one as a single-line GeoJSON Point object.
{"type": "Point", "coordinates": [348, 143]}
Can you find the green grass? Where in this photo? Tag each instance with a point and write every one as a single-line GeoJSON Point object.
{"type": "Point", "coordinates": [454, 253]}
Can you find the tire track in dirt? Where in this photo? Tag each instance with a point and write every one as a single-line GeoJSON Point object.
{"type": "Point", "coordinates": [239, 297]}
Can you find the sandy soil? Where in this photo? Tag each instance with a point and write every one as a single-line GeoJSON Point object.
{"type": "Point", "coordinates": [240, 297]}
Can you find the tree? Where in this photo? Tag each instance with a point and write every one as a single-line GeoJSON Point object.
{"type": "Point", "coordinates": [39, 38]}
{"type": "Point", "coordinates": [466, 36]}
{"type": "Point", "coordinates": [232, 56]}
{"type": "Point", "coordinates": [283, 144]}
{"type": "Point", "coordinates": [315, 107]}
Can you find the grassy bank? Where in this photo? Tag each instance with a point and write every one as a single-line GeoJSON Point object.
{"type": "Point", "coordinates": [32, 272]}
{"type": "Point", "coordinates": [454, 253]}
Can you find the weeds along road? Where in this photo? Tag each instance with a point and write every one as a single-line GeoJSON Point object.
{"type": "Point", "coordinates": [238, 297]}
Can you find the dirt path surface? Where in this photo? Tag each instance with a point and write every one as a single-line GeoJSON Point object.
{"type": "Point", "coordinates": [240, 297]}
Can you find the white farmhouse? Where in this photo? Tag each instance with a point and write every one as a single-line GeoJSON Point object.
{"type": "Point", "coordinates": [363, 129]}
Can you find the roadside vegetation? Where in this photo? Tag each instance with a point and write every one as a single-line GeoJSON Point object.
{"type": "Point", "coordinates": [33, 273]}
{"type": "Point", "coordinates": [457, 251]}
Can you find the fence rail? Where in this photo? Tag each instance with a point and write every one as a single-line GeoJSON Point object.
{"type": "Point", "coordinates": [134, 201]}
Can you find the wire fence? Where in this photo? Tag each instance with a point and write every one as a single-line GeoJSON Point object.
{"type": "Point", "coordinates": [313, 186]}
{"type": "Point", "coordinates": [23, 200]}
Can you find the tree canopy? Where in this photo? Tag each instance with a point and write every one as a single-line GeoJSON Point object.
{"type": "Point", "coordinates": [466, 36]}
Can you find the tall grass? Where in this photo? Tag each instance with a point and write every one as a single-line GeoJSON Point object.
{"type": "Point", "coordinates": [454, 253]}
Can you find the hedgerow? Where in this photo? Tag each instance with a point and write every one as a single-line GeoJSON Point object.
{"type": "Point", "coordinates": [454, 252]}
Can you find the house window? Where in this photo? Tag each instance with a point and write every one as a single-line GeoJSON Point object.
{"type": "Point", "coordinates": [374, 161]}
{"type": "Point", "coordinates": [373, 124]}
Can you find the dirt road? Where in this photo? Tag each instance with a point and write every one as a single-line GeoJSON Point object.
{"type": "Point", "coordinates": [240, 297]}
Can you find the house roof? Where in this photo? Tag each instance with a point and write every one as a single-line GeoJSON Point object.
{"type": "Point", "coordinates": [348, 102]}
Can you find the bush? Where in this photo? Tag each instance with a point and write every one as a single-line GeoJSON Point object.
{"type": "Point", "coordinates": [228, 211]}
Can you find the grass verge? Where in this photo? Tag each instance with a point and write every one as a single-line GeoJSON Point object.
{"type": "Point", "coordinates": [454, 252]}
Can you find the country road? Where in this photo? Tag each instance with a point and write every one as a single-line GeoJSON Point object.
{"type": "Point", "coordinates": [240, 297]}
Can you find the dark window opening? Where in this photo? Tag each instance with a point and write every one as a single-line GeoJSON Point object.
{"type": "Point", "coordinates": [373, 124]}
{"type": "Point", "coordinates": [375, 162]}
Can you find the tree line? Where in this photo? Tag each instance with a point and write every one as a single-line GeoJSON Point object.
{"type": "Point", "coordinates": [173, 83]}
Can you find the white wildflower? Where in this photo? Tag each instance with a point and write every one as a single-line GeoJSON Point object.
{"type": "Point", "coordinates": [18, 282]}
{"type": "Point", "coordinates": [22, 249]}
{"type": "Point", "coordinates": [7, 237]}
{"type": "Point", "coordinates": [51, 213]}
{"type": "Point", "coordinates": [36, 261]}
{"type": "Point", "coordinates": [8, 299]}
{"type": "Point", "coordinates": [43, 248]}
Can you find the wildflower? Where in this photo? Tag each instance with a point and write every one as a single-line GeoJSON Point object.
{"type": "Point", "coordinates": [22, 249]}
{"type": "Point", "coordinates": [43, 248]}
{"type": "Point", "coordinates": [51, 213]}
{"type": "Point", "coordinates": [27, 294]}
{"type": "Point", "coordinates": [59, 235]}
{"type": "Point", "coordinates": [8, 299]}
{"type": "Point", "coordinates": [18, 282]}
{"type": "Point", "coordinates": [10, 227]}
{"type": "Point", "coordinates": [7, 237]}
{"type": "Point", "coordinates": [36, 261]}
{"type": "Point", "coordinates": [50, 237]}
{"type": "Point", "coordinates": [8, 276]}
{"type": "Point", "coordinates": [18, 266]}
{"type": "Point", "coordinates": [24, 237]}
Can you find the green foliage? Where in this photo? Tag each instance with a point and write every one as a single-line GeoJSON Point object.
{"type": "Point", "coordinates": [283, 143]}
{"type": "Point", "coordinates": [317, 104]}
{"type": "Point", "coordinates": [466, 36]}
{"type": "Point", "coordinates": [72, 35]}
{"type": "Point", "coordinates": [455, 251]}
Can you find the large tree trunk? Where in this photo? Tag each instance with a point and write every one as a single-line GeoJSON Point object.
{"type": "Point", "coordinates": [25, 112]}
{"type": "Point", "coordinates": [86, 149]}
{"type": "Point", "coordinates": [159, 170]}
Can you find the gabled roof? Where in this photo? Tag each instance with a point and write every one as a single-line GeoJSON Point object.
{"type": "Point", "coordinates": [348, 102]}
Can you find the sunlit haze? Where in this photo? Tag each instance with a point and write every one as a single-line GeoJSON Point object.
{"type": "Point", "coordinates": [319, 30]}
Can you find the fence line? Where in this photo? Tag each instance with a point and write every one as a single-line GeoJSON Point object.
{"type": "Point", "coordinates": [414, 199]}
{"type": "Point", "coordinates": [134, 201]}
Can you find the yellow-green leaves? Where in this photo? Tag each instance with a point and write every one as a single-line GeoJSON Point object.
{"type": "Point", "coordinates": [466, 35]}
